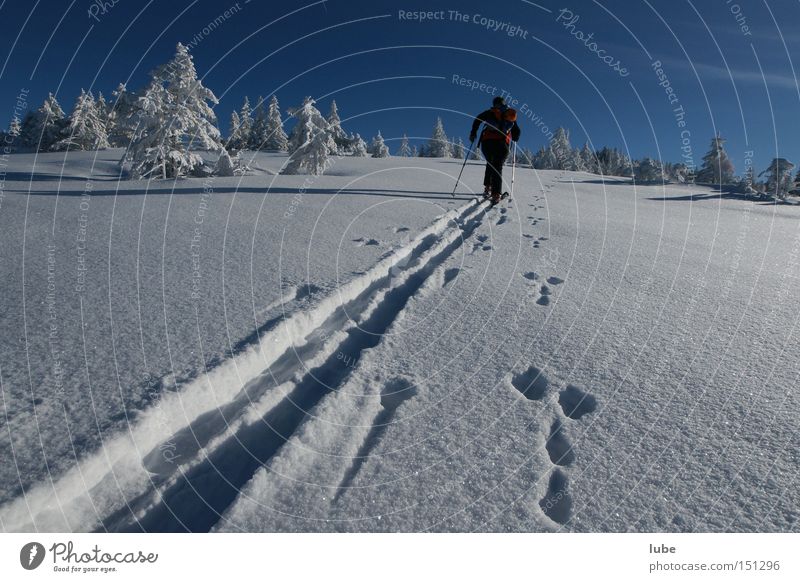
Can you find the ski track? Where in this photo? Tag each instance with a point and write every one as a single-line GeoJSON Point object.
{"type": "Point", "coordinates": [229, 444]}
{"type": "Point", "coordinates": [394, 394]}
{"type": "Point", "coordinates": [182, 432]}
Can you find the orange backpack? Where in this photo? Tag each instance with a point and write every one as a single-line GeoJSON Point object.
{"type": "Point", "coordinates": [506, 118]}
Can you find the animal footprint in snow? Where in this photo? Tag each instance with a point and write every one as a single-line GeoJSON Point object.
{"type": "Point", "coordinates": [575, 402]}
{"type": "Point", "coordinates": [532, 383]}
{"type": "Point", "coordinates": [558, 446]}
{"type": "Point", "coordinates": [450, 274]}
{"type": "Point", "coordinates": [555, 280]}
{"type": "Point", "coordinates": [544, 296]}
{"type": "Point", "coordinates": [363, 242]}
{"type": "Point", "coordinates": [531, 276]}
{"type": "Point", "coordinates": [400, 229]}
{"type": "Point", "coordinates": [557, 502]}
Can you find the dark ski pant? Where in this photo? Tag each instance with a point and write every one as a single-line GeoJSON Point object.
{"type": "Point", "coordinates": [495, 151]}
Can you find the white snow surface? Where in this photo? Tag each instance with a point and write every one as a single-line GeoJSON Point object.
{"type": "Point", "coordinates": [360, 351]}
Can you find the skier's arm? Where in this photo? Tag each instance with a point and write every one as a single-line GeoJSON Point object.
{"type": "Point", "coordinates": [515, 131]}
{"type": "Point", "coordinates": [477, 123]}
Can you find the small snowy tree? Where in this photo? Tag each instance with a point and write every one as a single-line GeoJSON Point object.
{"type": "Point", "coordinates": [358, 147]}
{"type": "Point", "coordinates": [122, 117]}
{"type": "Point", "coordinates": [779, 178]}
{"type": "Point", "coordinates": [310, 143]}
{"type": "Point", "coordinates": [414, 152]}
{"type": "Point", "coordinates": [379, 149]}
{"type": "Point", "coordinates": [717, 168]}
{"type": "Point", "coordinates": [439, 144]}
{"type": "Point", "coordinates": [561, 153]}
{"type": "Point", "coordinates": [235, 141]}
{"type": "Point", "coordinates": [648, 170]}
{"type": "Point", "coordinates": [227, 166]}
{"type": "Point", "coordinates": [41, 129]}
{"type": "Point", "coordinates": [245, 124]}
{"type": "Point", "coordinates": [458, 149]}
{"type": "Point", "coordinates": [259, 133]}
{"type": "Point", "coordinates": [174, 115]}
{"type": "Point", "coordinates": [404, 150]}
{"type": "Point", "coordinates": [276, 139]}
{"type": "Point", "coordinates": [589, 160]}
{"type": "Point", "coordinates": [85, 129]}
{"type": "Point", "coordinates": [339, 135]}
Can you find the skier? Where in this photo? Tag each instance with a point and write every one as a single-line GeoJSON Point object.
{"type": "Point", "coordinates": [500, 128]}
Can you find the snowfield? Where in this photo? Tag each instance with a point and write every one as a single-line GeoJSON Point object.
{"type": "Point", "coordinates": [362, 352]}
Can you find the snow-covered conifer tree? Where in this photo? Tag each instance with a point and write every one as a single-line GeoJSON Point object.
{"type": "Point", "coordinates": [589, 160]}
{"type": "Point", "coordinates": [245, 124]}
{"type": "Point", "coordinates": [458, 149]}
{"type": "Point", "coordinates": [649, 170]}
{"type": "Point", "coordinates": [404, 150]}
{"type": "Point", "coordinates": [259, 133]}
{"type": "Point", "coordinates": [276, 139]}
{"type": "Point", "coordinates": [122, 117]}
{"type": "Point", "coordinates": [439, 144]}
{"type": "Point", "coordinates": [41, 129]}
{"type": "Point", "coordinates": [358, 147]}
{"type": "Point", "coordinates": [310, 143]}
{"type": "Point", "coordinates": [235, 142]}
{"type": "Point", "coordinates": [414, 152]}
{"type": "Point", "coordinates": [561, 153]}
{"type": "Point", "coordinates": [85, 128]}
{"type": "Point", "coordinates": [717, 168]}
{"type": "Point", "coordinates": [339, 135]}
{"type": "Point", "coordinates": [174, 116]}
{"type": "Point", "coordinates": [779, 178]}
{"type": "Point", "coordinates": [379, 149]}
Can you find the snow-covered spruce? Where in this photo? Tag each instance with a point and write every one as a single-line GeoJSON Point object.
{"type": "Point", "coordinates": [358, 147]}
{"type": "Point", "coordinates": [173, 116]}
{"type": "Point", "coordinates": [227, 166]}
{"type": "Point", "coordinates": [439, 144]}
{"type": "Point", "coordinates": [41, 129]}
{"type": "Point", "coordinates": [339, 135]}
{"type": "Point", "coordinates": [310, 143]}
{"type": "Point", "coordinates": [378, 148]}
{"type": "Point", "coordinates": [779, 178]}
{"type": "Point", "coordinates": [717, 167]}
{"type": "Point", "coordinates": [86, 128]}
{"type": "Point", "coordinates": [404, 150]}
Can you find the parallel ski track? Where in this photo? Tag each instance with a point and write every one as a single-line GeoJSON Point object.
{"type": "Point", "coordinates": [224, 447]}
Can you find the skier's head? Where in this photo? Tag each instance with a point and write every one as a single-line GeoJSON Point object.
{"type": "Point", "coordinates": [498, 102]}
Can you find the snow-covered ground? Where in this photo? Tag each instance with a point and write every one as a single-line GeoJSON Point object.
{"type": "Point", "coordinates": [362, 352]}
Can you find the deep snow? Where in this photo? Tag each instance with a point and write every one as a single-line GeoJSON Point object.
{"type": "Point", "coordinates": [591, 356]}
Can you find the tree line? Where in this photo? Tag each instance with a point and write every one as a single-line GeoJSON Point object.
{"type": "Point", "coordinates": [163, 125]}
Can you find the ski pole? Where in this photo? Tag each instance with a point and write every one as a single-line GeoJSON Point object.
{"type": "Point", "coordinates": [513, 169]}
{"type": "Point", "coordinates": [458, 180]}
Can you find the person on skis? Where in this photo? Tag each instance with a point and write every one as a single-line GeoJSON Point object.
{"type": "Point", "coordinates": [499, 130]}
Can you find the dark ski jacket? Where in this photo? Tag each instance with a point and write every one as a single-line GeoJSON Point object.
{"type": "Point", "coordinates": [491, 129]}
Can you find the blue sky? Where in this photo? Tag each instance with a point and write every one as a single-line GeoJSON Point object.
{"type": "Point", "coordinates": [729, 64]}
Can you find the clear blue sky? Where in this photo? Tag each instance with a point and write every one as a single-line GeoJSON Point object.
{"type": "Point", "coordinates": [395, 74]}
